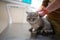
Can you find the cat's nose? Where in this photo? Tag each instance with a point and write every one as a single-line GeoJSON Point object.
{"type": "Point", "coordinates": [31, 19]}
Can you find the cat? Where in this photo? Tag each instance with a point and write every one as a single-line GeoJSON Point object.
{"type": "Point", "coordinates": [38, 23]}
{"type": "Point", "coordinates": [34, 20]}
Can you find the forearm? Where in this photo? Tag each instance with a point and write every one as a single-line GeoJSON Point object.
{"type": "Point", "coordinates": [53, 6]}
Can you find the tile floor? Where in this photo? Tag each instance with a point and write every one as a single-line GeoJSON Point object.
{"type": "Point", "coordinates": [20, 32]}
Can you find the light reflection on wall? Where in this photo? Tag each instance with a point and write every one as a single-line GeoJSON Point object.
{"type": "Point", "coordinates": [35, 5]}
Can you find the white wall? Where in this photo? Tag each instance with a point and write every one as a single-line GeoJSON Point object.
{"type": "Point", "coordinates": [18, 14]}
{"type": "Point", "coordinates": [3, 16]}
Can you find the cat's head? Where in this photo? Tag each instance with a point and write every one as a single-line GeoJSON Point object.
{"type": "Point", "coordinates": [32, 14]}
{"type": "Point", "coordinates": [33, 17]}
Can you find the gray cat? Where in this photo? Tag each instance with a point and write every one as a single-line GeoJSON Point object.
{"type": "Point", "coordinates": [38, 23]}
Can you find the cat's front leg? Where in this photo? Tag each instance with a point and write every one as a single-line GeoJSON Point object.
{"type": "Point", "coordinates": [30, 29]}
{"type": "Point", "coordinates": [33, 32]}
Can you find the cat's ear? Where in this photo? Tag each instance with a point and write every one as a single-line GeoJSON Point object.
{"type": "Point", "coordinates": [26, 12]}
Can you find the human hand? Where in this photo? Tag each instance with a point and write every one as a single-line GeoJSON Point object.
{"type": "Point", "coordinates": [42, 11]}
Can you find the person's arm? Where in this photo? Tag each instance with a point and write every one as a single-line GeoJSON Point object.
{"type": "Point", "coordinates": [53, 6]}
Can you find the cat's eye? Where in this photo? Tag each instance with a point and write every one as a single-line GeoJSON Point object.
{"type": "Point", "coordinates": [28, 18]}
{"type": "Point", "coordinates": [33, 19]}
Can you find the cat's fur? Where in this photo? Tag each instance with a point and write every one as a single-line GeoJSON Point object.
{"type": "Point", "coordinates": [36, 22]}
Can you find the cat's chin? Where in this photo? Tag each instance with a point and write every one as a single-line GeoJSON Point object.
{"type": "Point", "coordinates": [32, 22]}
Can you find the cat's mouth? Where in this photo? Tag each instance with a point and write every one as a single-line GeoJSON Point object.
{"type": "Point", "coordinates": [33, 22]}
